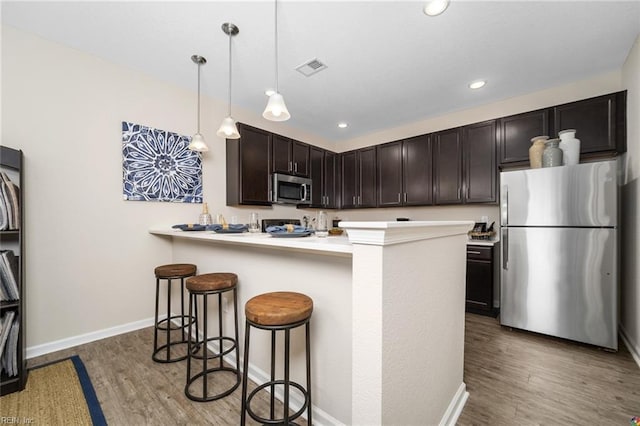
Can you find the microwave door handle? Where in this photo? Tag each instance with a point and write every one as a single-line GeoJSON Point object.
{"type": "Point", "coordinates": [304, 192]}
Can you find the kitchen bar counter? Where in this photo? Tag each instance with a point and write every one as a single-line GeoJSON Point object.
{"type": "Point", "coordinates": [388, 321]}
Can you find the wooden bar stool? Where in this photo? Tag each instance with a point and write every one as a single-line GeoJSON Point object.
{"type": "Point", "coordinates": [171, 272]}
{"type": "Point", "coordinates": [203, 286]}
{"type": "Point", "coordinates": [278, 311]}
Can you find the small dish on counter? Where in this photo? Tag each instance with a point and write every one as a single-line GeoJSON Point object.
{"type": "Point", "coordinates": [289, 231]}
{"type": "Point", "coordinates": [229, 229]}
{"type": "Point", "coordinates": [335, 231]}
{"type": "Point", "coordinates": [190, 227]}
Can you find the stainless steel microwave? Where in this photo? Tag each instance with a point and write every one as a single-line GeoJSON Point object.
{"type": "Point", "coordinates": [289, 189]}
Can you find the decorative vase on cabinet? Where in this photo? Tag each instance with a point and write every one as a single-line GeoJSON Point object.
{"type": "Point", "coordinates": [570, 147]}
{"type": "Point", "coordinates": [552, 154]}
{"type": "Point", "coordinates": [535, 151]}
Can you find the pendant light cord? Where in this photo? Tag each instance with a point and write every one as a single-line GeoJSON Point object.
{"type": "Point", "coordinates": [276, 38]}
{"type": "Point", "coordinates": [229, 111]}
{"type": "Point", "coordinates": [199, 98]}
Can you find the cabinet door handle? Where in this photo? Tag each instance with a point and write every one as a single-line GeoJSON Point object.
{"type": "Point", "coordinates": [405, 197]}
{"type": "Point", "coordinates": [359, 200]}
{"type": "Point", "coordinates": [399, 197]}
{"type": "Point", "coordinates": [290, 166]}
{"type": "Point", "coordinates": [459, 194]}
{"type": "Point", "coordinates": [295, 167]}
{"type": "Point", "coordinates": [354, 200]}
{"type": "Point", "coordinates": [473, 252]}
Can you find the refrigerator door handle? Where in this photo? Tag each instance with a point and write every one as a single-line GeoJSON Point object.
{"type": "Point", "coordinates": [505, 248]}
{"type": "Point", "coordinates": [504, 206]}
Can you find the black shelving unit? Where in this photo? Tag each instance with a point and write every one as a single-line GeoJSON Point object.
{"type": "Point", "coordinates": [11, 162]}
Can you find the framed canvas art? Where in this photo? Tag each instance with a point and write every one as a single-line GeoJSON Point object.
{"type": "Point", "coordinates": [158, 166]}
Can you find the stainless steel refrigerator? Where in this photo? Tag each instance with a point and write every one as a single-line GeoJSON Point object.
{"type": "Point", "coordinates": [559, 232]}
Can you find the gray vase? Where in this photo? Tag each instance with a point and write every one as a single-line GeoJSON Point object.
{"type": "Point", "coordinates": [552, 154]}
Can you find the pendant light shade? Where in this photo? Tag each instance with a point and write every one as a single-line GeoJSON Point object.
{"type": "Point", "coordinates": [197, 141]}
{"type": "Point", "coordinates": [276, 109]}
{"type": "Point", "coordinates": [228, 129]}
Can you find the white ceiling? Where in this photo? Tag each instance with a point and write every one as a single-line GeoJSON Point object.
{"type": "Point", "coordinates": [388, 63]}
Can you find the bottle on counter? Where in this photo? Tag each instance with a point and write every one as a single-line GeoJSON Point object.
{"type": "Point", "coordinates": [205, 217]}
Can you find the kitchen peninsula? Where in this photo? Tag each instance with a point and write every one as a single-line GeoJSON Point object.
{"type": "Point", "coordinates": [388, 321]}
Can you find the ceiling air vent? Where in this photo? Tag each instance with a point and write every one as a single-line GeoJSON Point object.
{"type": "Point", "coordinates": [311, 67]}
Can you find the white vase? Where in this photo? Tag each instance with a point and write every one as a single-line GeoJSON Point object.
{"type": "Point", "coordinates": [570, 147]}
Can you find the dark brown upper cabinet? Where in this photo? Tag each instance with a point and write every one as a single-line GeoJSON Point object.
{"type": "Point", "coordinates": [447, 166]}
{"type": "Point", "coordinates": [290, 156]}
{"type": "Point", "coordinates": [479, 162]}
{"type": "Point", "coordinates": [515, 133]}
{"type": "Point", "coordinates": [323, 165]}
{"type": "Point", "coordinates": [249, 167]}
{"type": "Point", "coordinates": [599, 123]}
{"type": "Point", "coordinates": [465, 164]}
{"type": "Point", "coordinates": [405, 172]}
{"type": "Point", "coordinates": [358, 183]}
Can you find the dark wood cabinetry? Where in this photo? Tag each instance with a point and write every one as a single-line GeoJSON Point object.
{"type": "Point", "coordinates": [447, 161]}
{"type": "Point", "coordinates": [600, 123]}
{"type": "Point", "coordinates": [249, 167]}
{"type": "Point", "coordinates": [290, 156]}
{"type": "Point", "coordinates": [12, 241]}
{"type": "Point", "coordinates": [597, 121]}
{"type": "Point", "coordinates": [322, 171]}
{"type": "Point", "coordinates": [480, 279]}
{"type": "Point", "coordinates": [358, 183]}
{"type": "Point", "coordinates": [516, 131]}
{"type": "Point", "coordinates": [479, 162]}
{"type": "Point", "coordinates": [405, 172]}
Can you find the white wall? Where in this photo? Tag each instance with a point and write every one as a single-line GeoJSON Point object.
{"type": "Point", "coordinates": [630, 300]}
{"type": "Point", "coordinates": [88, 255]}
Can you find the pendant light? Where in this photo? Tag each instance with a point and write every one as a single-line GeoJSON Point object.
{"type": "Point", "coordinates": [228, 129]}
{"type": "Point", "coordinates": [197, 141]}
{"type": "Point", "coordinates": [276, 109]}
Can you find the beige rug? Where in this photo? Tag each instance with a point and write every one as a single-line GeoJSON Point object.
{"type": "Point", "coordinates": [55, 394]}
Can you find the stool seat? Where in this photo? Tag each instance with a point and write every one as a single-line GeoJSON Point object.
{"type": "Point", "coordinates": [175, 270]}
{"type": "Point", "coordinates": [278, 308]}
{"type": "Point", "coordinates": [212, 282]}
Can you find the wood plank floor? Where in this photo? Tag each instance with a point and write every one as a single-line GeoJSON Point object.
{"type": "Point", "coordinates": [516, 377]}
{"type": "Point", "coordinates": [513, 377]}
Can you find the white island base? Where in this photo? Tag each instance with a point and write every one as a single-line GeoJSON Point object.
{"type": "Point", "coordinates": [388, 321]}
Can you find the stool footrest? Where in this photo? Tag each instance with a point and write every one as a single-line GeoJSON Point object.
{"type": "Point", "coordinates": [263, 386]}
{"type": "Point", "coordinates": [203, 375]}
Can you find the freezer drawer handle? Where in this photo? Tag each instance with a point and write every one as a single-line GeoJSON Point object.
{"type": "Point", "coordinates": [505, 248]}
{"type": "Point", "coordinates": [473, 252]}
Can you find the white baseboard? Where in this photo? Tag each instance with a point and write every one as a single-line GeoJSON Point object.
{"type": "Point", "coordinates": [455, 407]}
{"type": "Point", "coordinates": [633, 349]}
{"type": "Point", "coordinates": [320, 417]}
{"type": "Point", "coordinates": [81, 339]}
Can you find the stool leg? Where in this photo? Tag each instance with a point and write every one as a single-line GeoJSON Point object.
{"type": "Point", "coordinates": [220, 327]}
{"type": "Point", "coordinates": [308, 350]}
{"type": "Point", "coordinates": [286, 377]}
{"type": "Point", "coordinates": [168, 319]}
{"type": "Point", "coordinates": [245, 374]}
{"type": "Point", "coordinates": [182, 307]}
{"type": "Point", "coordinates": [204, 345]}
{"type": "Point", "coordinates": [235, 314]}
{"type": "Point", "coordinates": [189, 342]}
{"type": "Point", "coordinates": [273, 375]}
{"type": "Point", "coordinates": [155, 326]}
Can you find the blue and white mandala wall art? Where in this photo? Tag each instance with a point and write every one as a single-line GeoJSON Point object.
{"type": "Point", "coordinates": [158, 166]}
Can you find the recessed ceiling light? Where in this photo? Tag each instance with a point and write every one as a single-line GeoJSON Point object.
{"type": "Point", "coordinates": [477, 84]}
{"type": "Point", "coordinates": [343, 125]}
{"type": "Point", "coordinates": [435, 7]}
{"type": "Point", "coordinates": [269, 92]}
